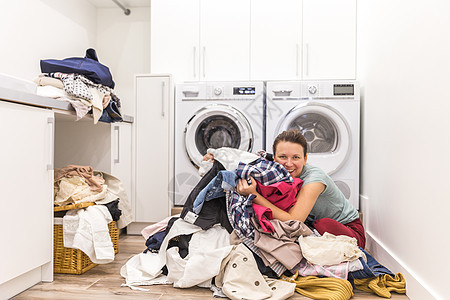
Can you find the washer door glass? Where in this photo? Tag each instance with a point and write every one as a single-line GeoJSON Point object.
{"type": "Point", "coordinates": [319, 131]}
{"type": "Point", "coordinates": [326, 132]}
{"type": "Point", "coordinates": [215, 132]}
{"type": "Point", "coordinates": [215, 126]}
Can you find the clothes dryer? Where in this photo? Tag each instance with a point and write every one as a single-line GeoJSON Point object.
{"type": "Point", "coordinates": [213, 115]}
{"type": "Point", "coordinates": [328, 115]}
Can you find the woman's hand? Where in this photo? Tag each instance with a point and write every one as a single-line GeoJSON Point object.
{"type": "Point", "coordinates": [244, 189]}
{"type": "Point", "coordinates": [208, 157]}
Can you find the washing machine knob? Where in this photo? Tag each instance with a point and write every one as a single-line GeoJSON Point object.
{"type": "Point", "coordinates": [217, 91]}
{"type": "Point", "coordinates": [312, 89]}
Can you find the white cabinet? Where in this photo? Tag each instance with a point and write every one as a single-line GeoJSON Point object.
{"type": "Point", "coordinates": [276, 39]}
{"type": "Point", "coordinates": [329, 39]}
{"type": "Point", "coordinates": [254, 39]}
{"type": "Point", "coordinates": [309, 39]}
{"type": "Point", "coordinates": [201, 39]}
{"type": "Point", "coordinates": [26, 183]}
{"type": "Point", "coordinates": [106, 147]}
{"type": "Point", "coordinates": [154, 154]}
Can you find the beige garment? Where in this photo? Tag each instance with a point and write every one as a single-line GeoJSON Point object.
{"type": "Point", "coordinates": [280, 246]}
{"type": "Point", "coordinates": [75, 190]}
{"type": "Point", "coordinates": [97, 103]}
{"type": "Point", "coordinates": [240, 278]}
{"type": "Point", "coordinates": [87, 172]}
{"type": "Point", "coordinates": [106, 100]}
{"type": "Point", "coordinates": [234, 239]}
{"type": "Point", "coordinates": [329, 249]}
{"type": "Point", "coordinates": [116, 191]}
{"type": "Point", "coordinates": [45, 80]}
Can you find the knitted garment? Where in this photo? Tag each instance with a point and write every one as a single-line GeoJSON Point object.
{"type": "Point", "coordinates": [382, 285]}
{"type": "Point", "coordinates": [321, 288]}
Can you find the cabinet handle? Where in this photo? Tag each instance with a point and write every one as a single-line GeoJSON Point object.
{"type": "Point", "coordinates": [296, 57]}
{"type": "Point", "coordinates": [117, 129]}
{"type": "Point", "coordinates": [50, 166]}
{"type": "Point", "coordinates": [163, 87]}
{"type": "Point", "coordinates": [306, 59]}
{"type": "Point", "coordinates": [194, 60]}
{"type": "Point", "coordinates": [204, 62]}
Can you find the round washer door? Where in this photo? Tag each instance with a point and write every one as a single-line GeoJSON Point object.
{"type": "Point", "coordinates": [326, 131]}
{"type": "Point", "coordinates": [215, 126]}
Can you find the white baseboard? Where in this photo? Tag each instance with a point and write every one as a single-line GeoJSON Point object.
{"type": "Point", "coordinates": [415, 288]}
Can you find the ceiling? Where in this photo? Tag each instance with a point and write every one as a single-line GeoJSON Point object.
{"type": "Point", "coordinates": [126, 3]}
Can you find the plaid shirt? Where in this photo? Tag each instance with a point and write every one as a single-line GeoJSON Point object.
{"type": "Point", "coordinates": [239, 207]}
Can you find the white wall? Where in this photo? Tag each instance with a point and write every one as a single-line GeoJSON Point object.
{"type": "Point", "coordinates": [124, 45]}
{"type": "Point", "coordinates": [404, 69]}
{"type": "Point", "coordinates": [31, 30]}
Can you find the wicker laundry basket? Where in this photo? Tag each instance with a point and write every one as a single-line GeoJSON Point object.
{"type": "Point", "coordinates": [75, 261]}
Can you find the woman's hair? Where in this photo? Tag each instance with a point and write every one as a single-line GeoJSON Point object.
{"type": "Point", "coordinates": [293, 136]}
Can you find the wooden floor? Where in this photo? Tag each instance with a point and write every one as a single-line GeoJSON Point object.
{"type": "Point", "coordinates": [103, 282]}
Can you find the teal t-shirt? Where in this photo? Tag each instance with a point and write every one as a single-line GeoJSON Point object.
{"type": "Point", "coordinates": [331, 203]}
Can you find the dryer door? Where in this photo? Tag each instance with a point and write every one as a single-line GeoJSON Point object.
{"type": "Point", "coordinates": [215, 126]}
{"type": "Point", "coordinates": [326, 131]}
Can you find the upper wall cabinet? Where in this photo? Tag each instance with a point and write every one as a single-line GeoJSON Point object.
{"type": "Point", "coordinates": [276, 39]}
{"type": "Point", "coordinates": [201, 39]}
{"type": "Point", "coordinates": [254, 39]}
{"type": "Point", "coordinates": [329, 39]}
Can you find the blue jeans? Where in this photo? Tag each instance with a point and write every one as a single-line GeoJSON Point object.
{"type": "Point", "coordinates": [224, 181]}
{"type": "Point", "coordinates": [371, 269]}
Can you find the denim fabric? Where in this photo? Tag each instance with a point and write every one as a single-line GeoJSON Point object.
{"type": "Point", "coordinates": [371, 269]}
{"type": "Point", "coordinates": [224, 181]}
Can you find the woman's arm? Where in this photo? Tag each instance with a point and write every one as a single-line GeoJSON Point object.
{"type": "Point", "coordinates": [306, 199]}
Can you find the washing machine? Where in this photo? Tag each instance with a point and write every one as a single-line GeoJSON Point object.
{"type": "Point", "coordinates": [213, 115]}
{"type": "Point", "coordinates": [327, 112]}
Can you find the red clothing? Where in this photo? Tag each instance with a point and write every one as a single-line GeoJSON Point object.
{"type": "Point", "coordinates": [353, 229]}
{"type": "Point", "coordinates": [281, 194]}
{"type": "Point", "coordinates": [264, 214]}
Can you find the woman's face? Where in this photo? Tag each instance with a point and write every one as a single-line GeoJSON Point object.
{"type": "Point", "coordinates": [291, 156]}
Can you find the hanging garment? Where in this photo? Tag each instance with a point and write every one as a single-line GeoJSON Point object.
{"type": "Point", "coordinates": [87, 229]}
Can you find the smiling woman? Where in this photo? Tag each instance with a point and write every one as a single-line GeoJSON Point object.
{"type": "Point", "coordinates": [319, 197]}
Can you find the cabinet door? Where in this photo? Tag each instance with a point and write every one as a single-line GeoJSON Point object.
{"type": "Point", "coordinates": [152, 148]}
{"type": "Point", "coordinates": [26, 183]}
{"type": "Point", "coordinates": [121, 160]}
{"type": "Point", "coordinates": [329, 39]}
{"type": "Point", "coordinates": [225, 39]}
{"type": "Point", "coordinates": [175, 38]}
{"type": "Point", "coordinates": [276, 39]}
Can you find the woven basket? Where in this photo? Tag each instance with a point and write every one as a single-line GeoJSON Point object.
{"type": "Point", "coordinates": [75, 261]}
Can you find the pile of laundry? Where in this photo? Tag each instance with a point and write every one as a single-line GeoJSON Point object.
{"type": "Point", "coordinates": [224, 242]}
{"type": "Point", "coordinates": [87, 228]}
{"type": "Point", "coordinates": [83, 82]}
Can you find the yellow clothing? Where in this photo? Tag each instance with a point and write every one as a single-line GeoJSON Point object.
{"type": "Point", "coordinates": [321, 288]}
{"type": "Point", "coordinates": [382, 285]}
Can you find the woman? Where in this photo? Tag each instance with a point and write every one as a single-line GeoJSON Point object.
{"type": "Point", "coordinates": [319, 195]}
